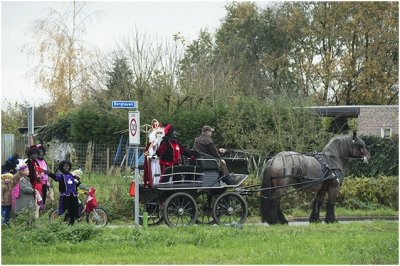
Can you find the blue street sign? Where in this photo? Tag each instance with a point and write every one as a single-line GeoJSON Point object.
{"type": "Point", "coordinates": [124, 104]}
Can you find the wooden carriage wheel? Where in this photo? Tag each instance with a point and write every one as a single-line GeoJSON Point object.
{"type": "Point", "coordinates": [205, 200]}
{"type": "Point", "coordinates": [154, 213]}
{"type": "Point", "coordinates": [229, 208]}
{"type": "Point", "coordinates": [180, 209]}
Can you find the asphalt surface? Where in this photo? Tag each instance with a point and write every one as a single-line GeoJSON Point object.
{"type": "Point", "coordinates": [304, 221]}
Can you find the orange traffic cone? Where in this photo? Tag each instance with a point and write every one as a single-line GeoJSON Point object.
{"type": "Point", "coordinates": [132, 191]}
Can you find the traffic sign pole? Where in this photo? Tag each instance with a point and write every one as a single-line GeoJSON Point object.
{"type": "Point", "coordinates": [136, 187]}
{"type": "Point", "coordinates": [134, 139]}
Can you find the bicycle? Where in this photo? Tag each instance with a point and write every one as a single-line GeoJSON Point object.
{"type": "Point", "coordinates": [98, 216]}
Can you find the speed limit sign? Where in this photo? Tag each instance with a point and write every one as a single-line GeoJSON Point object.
{"type": "Point", "coordinates": [134, 128]}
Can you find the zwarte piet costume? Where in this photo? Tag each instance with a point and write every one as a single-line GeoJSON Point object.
{"type": "Point", "coordinates": [45, 179]}
{"type": "Point", "coordinates": [68, 191]}
{"type": "Point", "coordinates": [169, 151]}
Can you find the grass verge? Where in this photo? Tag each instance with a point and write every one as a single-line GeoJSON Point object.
{"type": "Point", "coordinates": [354, 243]}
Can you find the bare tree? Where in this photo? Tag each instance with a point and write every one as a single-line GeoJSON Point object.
{"type": "Point", "coordinates": [63, 67]}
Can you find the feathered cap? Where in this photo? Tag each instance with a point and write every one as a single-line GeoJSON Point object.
{"type": "Point", "coordinates": [22, 167]}
{"type": "Point", "coordinates": [41, 147]}
{"type": "Point", "coordinates": [13, 159]}
{"type": "Point", "coordinates": [169, 129]}
{"type": "Point", "coordinates": [31, 150]}
{"type": "Point", "coordinates": [61, 165]}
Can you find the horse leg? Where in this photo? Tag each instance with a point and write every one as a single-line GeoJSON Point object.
{"type": "Point", "coordinates": [281, 217]}
{"type": "Point", "coordinates": [316, 207]}
{"type": "Point", "coordinates": [333, 191]}
{"type": "Point", "coordinates": [273, 211]}
{"type": "Point", "coordinates": [268, 204]}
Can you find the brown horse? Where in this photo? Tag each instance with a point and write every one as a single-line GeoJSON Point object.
{"type": "Point", "coordinates": [321, 173]}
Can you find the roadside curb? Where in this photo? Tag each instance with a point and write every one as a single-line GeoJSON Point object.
{"type": "Point", "coordinates": [348, 218]}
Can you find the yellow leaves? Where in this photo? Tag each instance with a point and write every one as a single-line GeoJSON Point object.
{"type": "Point", "coordinates": [62, 57]}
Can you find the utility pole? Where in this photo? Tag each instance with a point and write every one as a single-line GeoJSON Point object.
{"type": "Point", "coordinates": [31, 119]}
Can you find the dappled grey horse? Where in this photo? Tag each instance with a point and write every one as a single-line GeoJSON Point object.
{"type": "Point", "coordinates": [321, 173]}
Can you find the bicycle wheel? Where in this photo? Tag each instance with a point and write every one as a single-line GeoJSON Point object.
{"type": "Point", "coordinates": [98, 216]}
{"type": "Point", "coordinates": [54, 215]}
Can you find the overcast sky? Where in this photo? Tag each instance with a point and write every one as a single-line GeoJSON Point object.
{"type": "Point", "coordinates": [160, 19]}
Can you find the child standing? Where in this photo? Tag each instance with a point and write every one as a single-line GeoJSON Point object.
{"type": "Point", "coordinates": [67, 185]}
{"type": "Point", "coordinates": [6, 189]}
{"type": "Point", "coordinates": [81, 190]}
{"type": "Point", "coordinates": [26, 197]}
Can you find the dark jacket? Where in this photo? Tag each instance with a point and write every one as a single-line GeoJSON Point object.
{"type": "Point", "coordinates": [204, 143]}
{"type": "Point", "coordinates": [166, 151]}
{"type": "Point", "coordinates": [62, 186]}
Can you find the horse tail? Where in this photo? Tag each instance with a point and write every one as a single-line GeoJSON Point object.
{"type": "Point", "coordinates": [265, 201]}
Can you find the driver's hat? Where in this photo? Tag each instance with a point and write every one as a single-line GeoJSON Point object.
{"type": "Point", "coordinates": [207, 128]}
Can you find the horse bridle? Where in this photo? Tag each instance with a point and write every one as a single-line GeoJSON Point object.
{"type": "Point", "coordinates": [362, 151]}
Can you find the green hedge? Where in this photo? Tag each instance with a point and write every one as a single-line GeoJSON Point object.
{"type": "Point", "coordinates": [384, 158]}
{"type": "Point", "coordinates": [365, 193]}
{"type": "Point", "coordinates": [355, 193]}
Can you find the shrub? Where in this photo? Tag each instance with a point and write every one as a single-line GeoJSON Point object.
{"type": "Point", "coordinates": [44, 232]}
{"type": "Point", "coordinates": [355, 193]}
{"type": "Point", "coordinates": [384, 157]}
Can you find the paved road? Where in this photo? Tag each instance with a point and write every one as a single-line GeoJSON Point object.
{"type": "Point", "coordinates": [304, 221]}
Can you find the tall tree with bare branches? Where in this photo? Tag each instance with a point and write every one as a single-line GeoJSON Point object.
{"type": "Point", "coordinates": [63, 66]}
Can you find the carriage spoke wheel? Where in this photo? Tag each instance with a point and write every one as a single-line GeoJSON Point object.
{"type": "Point", "coordinates": [154, 213]}
{"type": "Point", "coordinates": [230, 208]}
{"type": "Point", "coordinates": [180, 209]}
{"type": "Point", "coordinates": [204, 202]}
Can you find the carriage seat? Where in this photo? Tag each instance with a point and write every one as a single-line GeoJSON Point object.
{"type": "Point", "coordinates": [207, 162]}
{"type": "Point", "coordinates": [182, 174]}
{"type": "Point", "coordinates": [209, 165]}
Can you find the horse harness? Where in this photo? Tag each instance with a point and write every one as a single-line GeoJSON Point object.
{"type": "Point", "coordinates": [330, 171]}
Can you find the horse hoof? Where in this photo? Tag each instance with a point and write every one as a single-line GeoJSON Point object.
{"type": "Point", "coordinates": [317, 221]}
{"type": "Point", "coordinates": [284, 222]}
{"type": "Point", "coordinates": [330, 221]}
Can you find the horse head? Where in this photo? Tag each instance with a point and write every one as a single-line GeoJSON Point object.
{"type": "Point", "coordinates": [359, 150]}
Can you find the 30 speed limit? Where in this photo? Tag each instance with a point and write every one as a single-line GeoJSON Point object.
{"type": "Point", "coordinates": [134, 128]}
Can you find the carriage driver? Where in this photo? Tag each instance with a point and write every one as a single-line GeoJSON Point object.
{"type": "Point", "coordinates": [204, 143]}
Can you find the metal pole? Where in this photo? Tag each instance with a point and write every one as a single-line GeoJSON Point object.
{"type": "Point", "coordinates": [108, 162]}
{"type": "Point", "coordinates": [31, 118]}
{"type": "Point", "coordinates": [136, 187]}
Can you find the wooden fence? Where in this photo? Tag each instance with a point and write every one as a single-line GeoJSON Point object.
{"type": "Point", "coordinates": [11, 144]}
{"type": "Point", "coordinates": [103, 158]}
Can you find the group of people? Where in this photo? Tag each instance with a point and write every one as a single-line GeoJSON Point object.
{"type": "Point", "coordinates": [27, 186]}
{"type": "Point", "coordinates": [164, 150]}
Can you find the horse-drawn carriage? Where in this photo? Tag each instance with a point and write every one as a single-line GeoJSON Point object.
{"type": "Point", "coordinates": [194, 193]}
